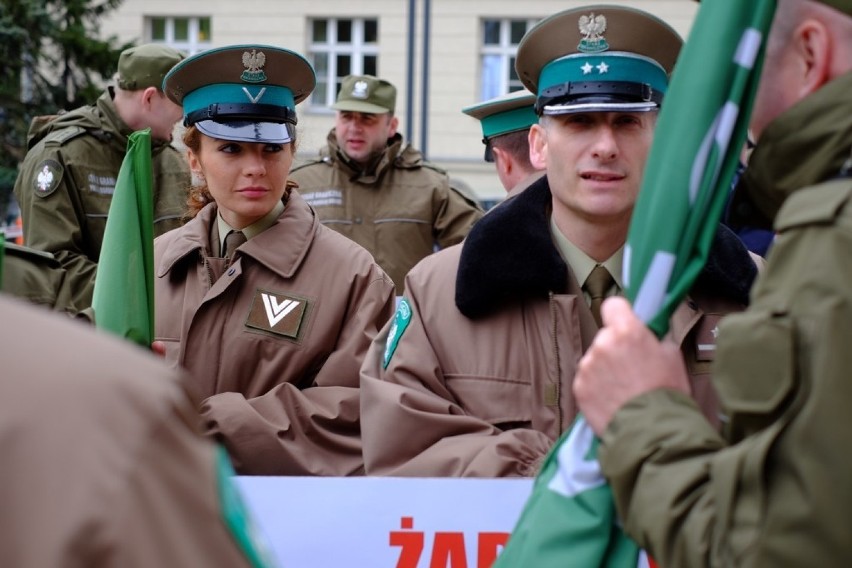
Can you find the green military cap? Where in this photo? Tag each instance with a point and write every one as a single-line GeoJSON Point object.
{"type": "Point", "coordinates": [145, 66]}
{"type": "Point", "coordinates": [244, 93]}
{"type": "Point", "coordinates": [502, 115]}
{"type": "Point", "coordinates": [598, 58]}
{"type": "Point", "coordinates": [365, 93]}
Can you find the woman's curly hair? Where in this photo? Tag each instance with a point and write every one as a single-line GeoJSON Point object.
{"type": "Point", "coordinates": [199, 194]}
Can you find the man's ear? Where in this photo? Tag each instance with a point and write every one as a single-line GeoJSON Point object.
{"type": "Point", "coordinates": [502, 160]}
{"type": "Point", "coordinates": [812, 43]}
{"type": "Point", "coordinates": [394, 124]}
{"type": "Point", "coordinates": [147, 97]}
{"type": "Point", "coordinates": [538, 146]}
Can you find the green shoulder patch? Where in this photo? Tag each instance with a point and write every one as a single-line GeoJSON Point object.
{"type": "Point", "coordinates": [237, 517]}
{"type": "Point", "coordinates": [47, 177]}
{"type": "Point", "coordinates": [400, 323]}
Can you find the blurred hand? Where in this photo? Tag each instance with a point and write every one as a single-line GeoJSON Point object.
{"type": "Point", "coordinates": [625, 360]}
{"type": "Point", "coordinates": [159, 348]}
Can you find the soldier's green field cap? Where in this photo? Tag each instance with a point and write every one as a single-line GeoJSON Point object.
{"type": "Point", "coordinates": [145, 66]}
{"type": "Point", "coordinates": [244, 93]}
{"type": "Point", "coordinates": [503, 115]}
{"type": "Point", "coordinates": [365, 93]}
{"type": "Point", "coordinates": [598, 58]}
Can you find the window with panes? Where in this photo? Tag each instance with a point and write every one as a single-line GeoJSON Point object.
{"type": "Point", "coordinates": [339, 47]}
{"type": "Point", "coordinates": [189, 34]}
{"type": "Point", "coordinates": [500, 39]}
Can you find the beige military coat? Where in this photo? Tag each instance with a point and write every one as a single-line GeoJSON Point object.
{"type": "Point", "coordinates": [473, 376]}
{"type": "Point", "coordinates": [103, 461]}
{"type": "Point", "coordinates": [275, 340]}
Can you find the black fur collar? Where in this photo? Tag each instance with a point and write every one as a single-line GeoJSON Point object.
{"type": "Point", "coordinates": [509, 256]}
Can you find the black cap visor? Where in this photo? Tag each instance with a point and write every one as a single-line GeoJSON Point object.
{"type": "Point", "coordinates": [489, 150]}
{"type": "Point", "coordinates": [246, 131]}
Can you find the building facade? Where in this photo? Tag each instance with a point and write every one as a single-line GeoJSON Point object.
{"type": "Point", "coordinates": [442, 55]}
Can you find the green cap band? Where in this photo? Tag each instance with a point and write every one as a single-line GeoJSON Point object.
{"type": "Point", "coordinates": [223, 93]}
{"type": "Point", "coordinates": [610, 66]}
{"type": "Point", "coordinates": [509, 121]}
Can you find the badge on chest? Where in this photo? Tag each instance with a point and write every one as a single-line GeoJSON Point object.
{"type": "Point", "coordinates": [281, 314]}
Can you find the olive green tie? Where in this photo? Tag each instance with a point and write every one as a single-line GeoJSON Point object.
{"type": "Point", "coordinates": [597, 284]}
{"type": "Point", "coordinates": [232, 241]}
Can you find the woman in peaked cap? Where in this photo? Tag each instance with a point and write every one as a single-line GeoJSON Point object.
{"type": "Point", "coordinates": [270, 311]}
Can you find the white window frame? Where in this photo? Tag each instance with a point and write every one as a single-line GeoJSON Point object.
{"type": "Point", "coordinates": [357, 50]}
{"type": "Point", "coordinates": [191, 45]}
{"type": "Point", "coordinates": [494, 77]}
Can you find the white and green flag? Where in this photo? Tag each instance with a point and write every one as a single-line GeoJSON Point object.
{"type": "Point", "coordinates": [570, 518]}
{"type": "Point", "coordinates": [700, 135]}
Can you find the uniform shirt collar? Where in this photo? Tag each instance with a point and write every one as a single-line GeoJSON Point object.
{"type": "Point", "coordinates": [252, 230]}
{"type": "Point", "coordinates": [582, 264]}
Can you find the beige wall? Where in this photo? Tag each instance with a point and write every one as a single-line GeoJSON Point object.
{"type": "Point", "coordinates": [453, 138]}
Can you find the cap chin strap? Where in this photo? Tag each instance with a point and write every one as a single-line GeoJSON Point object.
{"type": "Point", "coordinates": [563, 94]}
{"type": "Point", "coordinates": [226, 112]}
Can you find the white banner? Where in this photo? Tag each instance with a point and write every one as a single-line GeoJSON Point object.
{"type": "Point", "coordinates": [385, 522]}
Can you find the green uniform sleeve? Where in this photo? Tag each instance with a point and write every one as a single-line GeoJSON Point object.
{"type": "Point", "coordinates": [774, 490]}
{"type": "Point", "coordinates": [54, 219]}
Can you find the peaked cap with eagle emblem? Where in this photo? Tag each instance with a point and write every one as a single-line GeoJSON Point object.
{"type": "Point", "coordinates": [244, 93]}
{"type": "Point", "coordinates": [598, 58]}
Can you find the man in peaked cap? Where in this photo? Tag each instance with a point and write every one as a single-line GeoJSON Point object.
{"type": "Point", "coordinates": [473, 376]}
{"type": "Point", "coordinates": [368, 186]}
{"type": "Point", "coordinates": [66, 181]}
{"type": "Point", "coordinates": [773, 489]}
{"type": "Point", "coordinates": [506, 122]}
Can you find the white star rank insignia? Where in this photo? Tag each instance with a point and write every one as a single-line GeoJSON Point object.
{"type": "Point", "coordinates": [587, 68]}
{"type": "Point", "coordinates": [603, 68]}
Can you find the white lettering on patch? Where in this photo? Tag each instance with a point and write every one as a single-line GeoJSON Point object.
{"type": "Point", "coordinates": [325, 198]}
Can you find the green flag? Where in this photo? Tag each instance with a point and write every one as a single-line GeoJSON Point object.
{"type": "Point", "coordinates": [123, 299]}
{"type": "Point", "coordinates": [700, 134]}
{"type": "Point", "coordinates": [570, 518]}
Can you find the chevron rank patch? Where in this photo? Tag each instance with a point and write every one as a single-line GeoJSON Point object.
{"type": "Point", "coordinates": [277, 313]}
{"type": "Point", "coordinates": [47, 177]}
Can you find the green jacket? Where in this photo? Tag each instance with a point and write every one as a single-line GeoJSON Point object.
{"type": "Point", "coordinates": [401, 210]}
{"type": "Point", "coordinates": [774, 488]}
{"type": "Point", "coordinates": [35, 276]}
{"type": "Point", "coordinates": [66, 181]}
